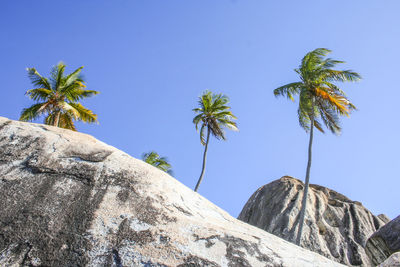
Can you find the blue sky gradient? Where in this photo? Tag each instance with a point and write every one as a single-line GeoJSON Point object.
{"type": "Point", "coordinates": [152, 59]}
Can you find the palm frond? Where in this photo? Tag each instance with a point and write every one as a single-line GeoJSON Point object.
{"type": "Point", "coordinates": [216, 129]}
{"type": "Point", "coordinates": [329, 116]}
{"type": "Point", "coordinates": [318, 125]}
{"type": "Point", "coordinates": [304, 119]}
{"type": "Point", "coordinates": [313, 58]}
{"type": "Point", "coordinates": [66, 122]}
{"type": "Point", "coordinates": [60, 75]}
{"type": "Point", "coordinates": [75, 92]}
{"type": "Point", "coordinates": [85, 115]}
{"type": "Point", "coordinates": [341, 75]}
{"type": "Point", "coordinates": [333, 87]}
{"type": "Point", "coordinates": [288, 90]}
{"type": "Point", "coordinates": [339, 102]}
{"type": "Point", "coordinates": [330, 63]}
{"type": "Point", "coordinates": [226, 123]}
{"type": "Point", "coordinates": [155, 160]}
{"type": "Point", "coordinates": [70, 109]}
{"type": "Point", "coordinates": [225, 114]}
{"type": "Point", "coordinates": [81, 93]}
{"type": "Point", "coordinates": [197, 119]}
{"type": "Point", "coordinates": [37, 79]}
{"type": "Point", "coordinates": [75, 75]}
{"type": "Point", "coordinates": [31, 113]}
{"type": "Point", "coordinates": [49, 119]}
{"type": "Point", "coordinates": [39, 94]}
{"type": "Point", "coordinates": [203, 134]}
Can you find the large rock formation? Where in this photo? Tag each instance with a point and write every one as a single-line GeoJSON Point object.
{"type": "Point", "coordinates": [335, 226]}
{"type": "Point", "coordinates": [392, 261]}
{"type": "Point", "coordinates": [384, 242]}
{"type": "Point", "coordinates": [67, 199]}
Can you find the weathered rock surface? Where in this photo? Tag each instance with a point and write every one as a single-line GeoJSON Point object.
{"type": "Point", "coordinates": [384, 242]}
{"type": "Point", "coordinates": [392, 261]}
{"type": "Point", "coordinates": [335, 226]}
{"type": "Point", "coordinates": [67, 199]}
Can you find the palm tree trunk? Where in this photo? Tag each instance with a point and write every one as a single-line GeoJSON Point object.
{"type": "Point", "coordinates": [57, 119]}
{"type": "Point", "coordinates": [204, 161]}
{"type": "Point", "coordinates": [307, 181]}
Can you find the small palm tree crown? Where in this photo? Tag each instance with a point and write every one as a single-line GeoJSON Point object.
{"type": "Point", "coordinates": [319, 97]}
{"type": "Point", "coordinates": [155, 160]}
{"type": "Point", "coordinates": [57, 98]}
{"type": "Point", "coordinates": [215, 115]}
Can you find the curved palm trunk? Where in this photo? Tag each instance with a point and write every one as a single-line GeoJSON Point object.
{"type": "Point", "coordinates": [307, 182]}
{"type": "Point", "coordinates": [204, 161]}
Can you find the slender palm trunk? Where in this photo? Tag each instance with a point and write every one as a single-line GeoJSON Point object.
{"type": "Point", "coordinates": [307, 181]}
{"type": "Point", "coordinates": [204, 161]}
{"type": "Point", "coordinates": [57, 119]}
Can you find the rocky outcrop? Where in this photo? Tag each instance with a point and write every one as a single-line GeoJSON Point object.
{"type": "Point", "coordinates": [67, 199]}
{"type": "Point", "coordinates": [392, 261]}
{"type": "Point", "coordinates": [384, 242]}
{"type": "Point", "coordinates": [335, 226]}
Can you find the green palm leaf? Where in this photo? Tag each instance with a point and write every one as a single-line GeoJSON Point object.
{"type": "Point", "coordinates": [66, 121]}
{"type": "Point", "coordinates": [39, 94]}
{"type": "Point", "coordinates": [289, 90]}
{"type": "Point", "coordinates": [84, 114]}
{"type": "Point", "coordinates": [31, 113]}
{"type": "Point", "coordinates": [37, 79]}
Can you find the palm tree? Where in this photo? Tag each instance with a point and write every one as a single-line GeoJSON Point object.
{"type": "Point", "coordinates": [155, 160]}
{"type": "Point", "coordinates": [57, 98]}
{"type": "Point", "coordinates": [319, 100]}
{"type": "Point", "coordinates": [213, 115]}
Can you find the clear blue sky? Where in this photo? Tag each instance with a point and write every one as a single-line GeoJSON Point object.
{"type": "Point", "coordinates": [152, 59]}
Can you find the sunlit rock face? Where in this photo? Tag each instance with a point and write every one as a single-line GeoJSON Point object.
{"type": "Point", "coordinates": [384, 242]}
{"type": "Point", "coordinates": [335, 226]}
{"type": "Point", "coordinates": [67, 199]}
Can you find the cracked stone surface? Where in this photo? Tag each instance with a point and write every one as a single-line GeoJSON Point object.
{"type": "Point", "coordinates": [384, 242]}
{"type": "Point", "coordinates": [335, 226]}
{"type": "Point", "coordinates": [67, 199]}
